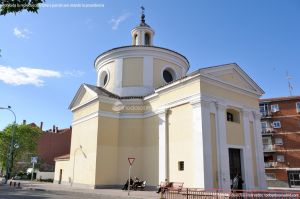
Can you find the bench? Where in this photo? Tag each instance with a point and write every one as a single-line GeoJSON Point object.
{"type": "Point", "coordinates": [172, 186]}
{"type": "Point", "coordinates": [176, 186]}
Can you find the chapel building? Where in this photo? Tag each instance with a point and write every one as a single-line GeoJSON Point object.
{"type": "Point", "coordinates": [200, 128]}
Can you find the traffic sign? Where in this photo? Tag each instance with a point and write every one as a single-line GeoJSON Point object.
{"type": "Point", "coordinates": [34, 159]}
{"type": "Point", "coordinates": [131, 160]}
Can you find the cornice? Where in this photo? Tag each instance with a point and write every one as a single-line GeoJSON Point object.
{"type": "Point", "coordinates": [134, 51]}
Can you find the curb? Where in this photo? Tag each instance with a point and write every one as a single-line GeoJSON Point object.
{"type": "Point", "coordinates": [80, 192]}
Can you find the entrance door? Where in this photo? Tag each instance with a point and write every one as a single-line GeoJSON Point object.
{"type": "Point", "coordinates": [235, 162]}
{"type": "Point", "coordinates": [60, 176]}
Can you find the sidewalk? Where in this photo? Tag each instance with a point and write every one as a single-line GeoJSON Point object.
{"type": "Point", "coordinates": [43, 186]}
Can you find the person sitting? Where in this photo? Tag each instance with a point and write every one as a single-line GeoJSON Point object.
{"type": "Point", "coordinates": [125, 187]}
{"type": "Point", "coordinates": [164, 186]}
{"type": "Point", "coordinates": [136, 183]}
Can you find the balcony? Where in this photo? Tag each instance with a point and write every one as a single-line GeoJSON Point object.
{"type": "Point", "coordinates": [270, 164]}
{"type": "Point", "coordinates": [267, 131]}
{"type": "Point", "coordinates": [268, 148]}
{"type": "Point", "coordinates": [265, 114]}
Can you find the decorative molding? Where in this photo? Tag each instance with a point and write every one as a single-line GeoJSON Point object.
{"type": "Point", "coordinates": [227, 69]}
{"type": "Point", "coordinates": [217, 82]}
{"type": "Point", "coordinates": [92, 100]}
{"type": "Point", "coordinates": [136, 51]}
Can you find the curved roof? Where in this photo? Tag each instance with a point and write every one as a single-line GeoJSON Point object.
{"type": "Point", "coordinates": [143, 46]}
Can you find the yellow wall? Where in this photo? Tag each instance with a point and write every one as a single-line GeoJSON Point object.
{"type": "Point", "coordinates": [150, 151]}
{"type": "Point", "coordinates": [158, 65]}
{"type": "Point", "coordinates": [130, 145]}
{"type": "Point", "coordinates": [107, 151]}
{"type": "Point", "coordinates": [253, 153]}
{"type": "Point", "coordinates": [180, 147]}
{"type": "Point", "coordinates": [133, 72]}
{"type": "Point", "coordinates": [85, 135]}
{"type": "Point", "coordinates": [228, 94]}
{"type": "Point", "coordinates": [235, 132]}
{"type": "Point", "coordinates": [66, 172]}
{"type": "Point", "coordinates": [214, 150]}
{"type": "Point", "coordinates": [235, 79]}
{"type": "Point", "coordinates": [91, 108]}
{"type": "Point", "coordinates": [187, 90]}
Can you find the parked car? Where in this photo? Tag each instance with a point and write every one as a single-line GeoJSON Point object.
{"type": "Point", "coordinates": [16, 178]}
{"type": "Point", "coordinates": [2, 180]}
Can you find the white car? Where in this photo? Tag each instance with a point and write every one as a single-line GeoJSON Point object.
{"type": "Point", "coordinates": [2, 180]}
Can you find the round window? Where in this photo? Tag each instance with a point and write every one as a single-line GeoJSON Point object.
{"type": "Point", "coordinates": [167, 75]}
{"type": "Point", "coordinates": [104, 78]}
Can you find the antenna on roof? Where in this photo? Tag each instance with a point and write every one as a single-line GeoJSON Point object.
{"type": "Point", "coordinates": [289, 82]}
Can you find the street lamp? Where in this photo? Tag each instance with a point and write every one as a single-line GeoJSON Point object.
{"type": "Point", "coordinates": [9, 155]}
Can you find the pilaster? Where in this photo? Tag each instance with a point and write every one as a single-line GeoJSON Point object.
{"type": "Point", "coordinates": [199, 178]}
{"type": "Point", "coordinates": [248, 170]}
{"type": "Point", "coordinates": [162, 147]}
{"type": "Point", "coordinates": [223, 155]}
{"type": "Point", "coordinates": [259, 150]}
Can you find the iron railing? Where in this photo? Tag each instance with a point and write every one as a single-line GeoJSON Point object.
{"type": "Point", "coordinates": [189, 193]}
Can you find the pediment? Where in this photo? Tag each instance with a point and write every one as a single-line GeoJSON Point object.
{"type": "Point", "coordinates": [232, 74]}
{"type": "Point", "coordinates": [83, 95]}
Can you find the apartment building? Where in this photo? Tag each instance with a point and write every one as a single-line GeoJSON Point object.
{"type": "Point", "coordinates": [281, 140]}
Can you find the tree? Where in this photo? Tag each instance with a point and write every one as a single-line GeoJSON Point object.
{"type": "Point", "coordinates": [14, 6]}
{"type": "Point", "coordinates": [25, 142]}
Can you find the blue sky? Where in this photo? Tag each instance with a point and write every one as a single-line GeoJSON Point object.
{"type": "Point", "coordinates": [47, 56]}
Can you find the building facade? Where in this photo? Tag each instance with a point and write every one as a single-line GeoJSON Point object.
{"type": "Point", "coordinates": [281, 140]}
{"type": "Point", "coordinates": [52, 144]}
{"type": "Point", "coordinates": [200, 128]}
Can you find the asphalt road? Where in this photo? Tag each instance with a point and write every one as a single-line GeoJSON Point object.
{"type": "Point", "coordinates": [11, 193]}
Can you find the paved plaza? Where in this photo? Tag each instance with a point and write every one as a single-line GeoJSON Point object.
{"type": "Point", "coordinates": [48, 190]}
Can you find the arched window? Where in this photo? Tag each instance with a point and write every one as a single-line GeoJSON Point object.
{"type": "Point", "coordinates": [147, 39]}
{"type": "Point", "coordinates": [135, 39]}
{"type": "Point", "coordinates": [233, 115]}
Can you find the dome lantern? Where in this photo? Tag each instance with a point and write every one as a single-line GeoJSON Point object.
{"type": "Point", "coordinates": [142, 34]}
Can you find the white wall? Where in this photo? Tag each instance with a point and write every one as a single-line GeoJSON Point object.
{"type": "Point", "coordinates": [44, 175]}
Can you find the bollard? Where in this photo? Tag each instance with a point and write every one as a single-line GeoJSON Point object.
{"type": "Point", "coordinates": [10, 183]}
{"type": "Point", "coordinates": [15, 184]}
{"type": "Point", "coordinates": [19, 184]}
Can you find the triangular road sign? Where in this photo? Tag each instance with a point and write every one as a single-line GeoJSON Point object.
{"type": "Point", "coordinates": [131, 160]}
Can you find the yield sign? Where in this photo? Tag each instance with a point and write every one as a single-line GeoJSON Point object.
{"type": "Point", "coordinates": [131, 160]}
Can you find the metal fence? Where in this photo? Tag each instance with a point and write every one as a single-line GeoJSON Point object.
{"type": "Point", "coordinates": [187, 193]}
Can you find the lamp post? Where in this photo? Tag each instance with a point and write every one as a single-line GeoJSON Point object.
{"type": "Point", "coordinates": [9, 155]}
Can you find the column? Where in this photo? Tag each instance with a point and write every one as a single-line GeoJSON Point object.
{"type": "Point", "coordinates": [202, 144]}
{"type": "Point", "coordinates": [248, 163]}
{"type": "Point", "coordinates": [223, 156]}
{"type": "Point", "coordinates": [162, 148]}
{"type": "Point", "coordinates": [142, 33]}
{"type": "Point", "coordinates": [199, 177]}
{"type": "Point", "coordinates": [259, 150]}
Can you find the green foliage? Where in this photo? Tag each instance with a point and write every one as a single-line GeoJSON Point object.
{"type": "Point", "coordinates": [14, 6]}
{"type": "Point", "coordinates": [25, 142]}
